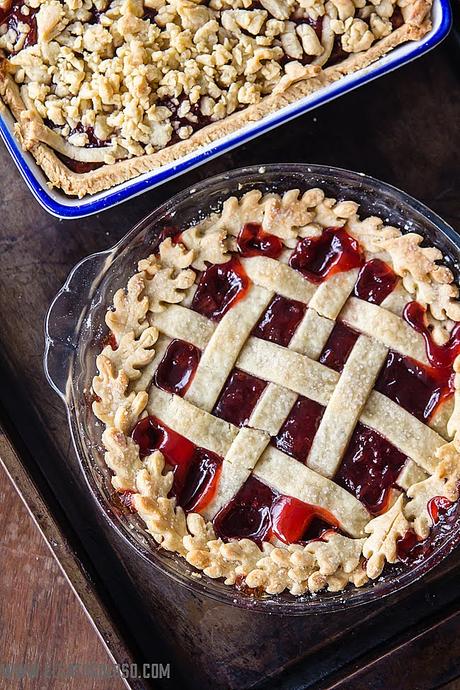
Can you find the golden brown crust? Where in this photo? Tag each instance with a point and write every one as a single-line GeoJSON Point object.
{"type": "Point", "coordinates": [148, 315]}
{"type": "Point", "coordinates": [33, 135]}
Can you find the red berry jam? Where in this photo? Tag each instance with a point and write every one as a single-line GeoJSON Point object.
{"type": "Point", "coordinates": [171, 231]}
{"type": "Point", "coordinates": [196, 487]}
{"type": "Point", "coordinates": [298, 431]}
{"type": "Point", "coordinates": [376, 281]}
{"type": "Point", "coordinates": [440, 356]}
{"type": "Point", "coordinates": [292, 520]}
{"type": "Point", "coordinates": [417, 388]}
{"type": "Point", "coordinates": [437, 507]}
{"type": "Point", "coordinates": [370, 467]}
{"type": "Point", "coordinates": [12, 16]}
{"type": "Point", "coordinates": [319, 258]}
{"type": "Point", "coordinates": [254, 241]}
{"type": "Point", "coordinates": [247, 515]}
{"type": "Point", "coordinates": [338, 347]}
{"type": "Point", "coordinates": [279, 322]}
{"type": "Point", "coordinates": [93, 141]}
{"type": "Point", "coordinates": [177, 368]}
{"type": "Point", "coordinates": [220, 287]}
{"type": "Point", "coordinates": [258, 512]}
{"type": "Point", "coordinates": [338, 54]}
{"type": "Point", "coordinates": [239, 397]}
{"type": "Point", "coordinates": [396, 18]}
{"type": "Point", "coordinates": [412, 550]}
{"type": "Point", "coordinates": [150, 14]}
{"type": "Point", "coordinates": [78, 166]}
{"type": "Point", "coordinates": [196, 470]}
{"type": "Point", "coordinates": [150, 434]}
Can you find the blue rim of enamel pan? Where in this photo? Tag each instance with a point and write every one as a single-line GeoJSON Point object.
{"type": "Point", "coordinates": [62, 206]}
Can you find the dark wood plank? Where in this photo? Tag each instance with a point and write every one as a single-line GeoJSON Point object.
{"type": "Point", "coordinates": [402, 128]}
{"type": "Point", "coordinates": [44, 632]}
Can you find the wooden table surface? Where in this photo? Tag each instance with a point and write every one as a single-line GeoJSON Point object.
{"type": "Point", "coordinates": [40, 618]}
{"type": "Point", "coordinates": [43, 628]}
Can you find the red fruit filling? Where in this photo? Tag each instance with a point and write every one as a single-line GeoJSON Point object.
{"type": "Point", "coordinates": [254, 241]}
{"type": "Point", "coordinates": [177, 368]}
{"type": "Point", "coordinates": [319, 258]}
{"type": "Point", "coordinates": [221, 286]}
{"type": "Point", "coordinates": [279, 322]}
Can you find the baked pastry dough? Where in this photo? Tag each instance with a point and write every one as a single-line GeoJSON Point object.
{"type": "Point", "coordinates": [281, 393]}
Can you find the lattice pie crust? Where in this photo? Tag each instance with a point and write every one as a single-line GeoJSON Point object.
{"type": "Point", "coordinates": [155, 308]}
{"type": "Point", "coordinates": [104, 91]}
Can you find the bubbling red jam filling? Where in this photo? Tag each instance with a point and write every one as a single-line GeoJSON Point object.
{"type": "Point", "coordinates": [338, 54]}
{"type": "Point", "coordinates": [319, 258]}
{"type": "Point", "coordinates": [279, 322]}
{"type": "Point", "coordinates": [78, 166]}
{"type": "Point", "coordinates": [171, 231]}
{"type": "Point", "coordinates": [259, 513]}
{"type": "Point", "coordinates": [221, 286]}
{"type": "Point", "coordinates": [417, 388]}
{"type": "Point", "coordinates": [196, 470]}
{"type": "Point", "coordinates": [254, 241]}
{"type": "Point", "coordinates": [298, 431]}
{"type": "Point", "coordinates": [93, 143]}
{"type": "Point", "coordinates": [440, 356]}
{"type": "Point", "coordinates": [12, 15]}
{"type": "Point", "coordinates": [376, 280]}
{"type": "Point", "coordinates": [396, 18]}
{"type": "Point", "coordinates": [196, 487]}
{"type": "Point", "coordinates": [338, 346]}
{"type": "Point", "coordinates": [239, 397]}
{"type": "Point", "coordinates": [411, 549]}
{"type": "Point", "coordinates": [437, 507]}
{"type": "Point", "coordinates": [177, 368]}
{"type": "Point", "coordinates": [370, 467]}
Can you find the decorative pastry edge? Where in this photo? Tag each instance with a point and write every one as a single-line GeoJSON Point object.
{"type": "Point", "coordinates": [164, 279]}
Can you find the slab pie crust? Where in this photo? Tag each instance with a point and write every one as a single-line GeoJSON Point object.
{"type": "Point", "coordinates": [154, 308]}
{"type": "Point", "coordinates": [58, 84]}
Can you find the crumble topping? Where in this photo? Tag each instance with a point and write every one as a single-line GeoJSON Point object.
{"type": "Point", "coordinates": [130, 77]}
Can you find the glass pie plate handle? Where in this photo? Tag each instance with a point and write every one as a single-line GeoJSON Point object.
{"type": "Point", "coordinates": [65, 316]}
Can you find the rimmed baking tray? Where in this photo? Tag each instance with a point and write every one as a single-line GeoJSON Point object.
{"type": "Point", "coordinates": [148, 619]}
{"type": "Point", "coordinates": [63, 206]}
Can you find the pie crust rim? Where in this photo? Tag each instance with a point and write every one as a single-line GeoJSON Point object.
{"type": "Point", "coordinates": [410, 575]}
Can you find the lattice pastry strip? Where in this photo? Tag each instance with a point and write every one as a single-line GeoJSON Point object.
{"type": "Point", "coordinates": [313, 380]}
{"type": "Point", "coordinates": [224, 347]}
{"type": "Point", "coordinates": [345, 405]}
{"type": "Point", "coordinates": [292, 478]}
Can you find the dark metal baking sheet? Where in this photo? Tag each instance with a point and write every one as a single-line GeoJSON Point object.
{"type": "Point", "coordinates": [403, 129]}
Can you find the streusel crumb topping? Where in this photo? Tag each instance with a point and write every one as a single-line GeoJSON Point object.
{"type": "Point", "coordinates": [130, 77]}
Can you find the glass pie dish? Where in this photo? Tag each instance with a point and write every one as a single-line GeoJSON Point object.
{"type": "Point", "coordinates": [75, 332]}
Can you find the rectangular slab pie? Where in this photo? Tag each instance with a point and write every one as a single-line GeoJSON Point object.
{"type": "Point", "coordinates": [104, 91]}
